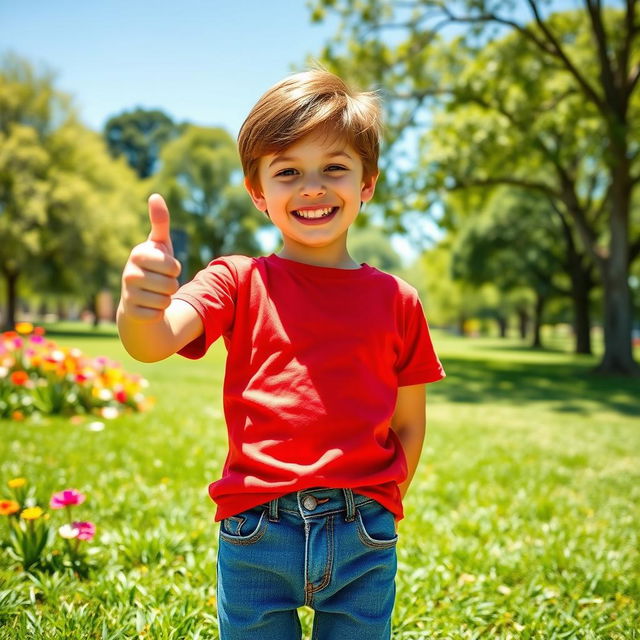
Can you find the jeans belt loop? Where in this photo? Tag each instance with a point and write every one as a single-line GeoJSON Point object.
{"type": "Point", "coordinates": [351, 505]}
{"type": "Point", "coordinates": [273, 511]}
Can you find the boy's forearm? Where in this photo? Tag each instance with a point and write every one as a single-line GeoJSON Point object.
{"type": "Point", "coordinates": [412, 440]}
{"type": "Point", "coordinates": [144, 341]}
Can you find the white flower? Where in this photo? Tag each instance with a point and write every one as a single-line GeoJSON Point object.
{"type": "Point", "coordinates": [95, 426]}
{"type": "Point", "coordinates": [68, 531]}
{"type": "Point", "coordinates": [108, 413]}
{"type": "Point", "coordinates": [105, 394]}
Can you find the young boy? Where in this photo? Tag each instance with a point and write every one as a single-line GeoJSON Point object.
{"type": "Point", "coordinates": [324, 391]}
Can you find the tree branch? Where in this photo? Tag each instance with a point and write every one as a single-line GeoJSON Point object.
{"type": "Point", "coordinates": [607, 72]}
{"type": "Point", "coordinates": [558, 52]}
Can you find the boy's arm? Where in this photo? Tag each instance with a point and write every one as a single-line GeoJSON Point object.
{"type": "Point", "coordinates": [152, 326]}
{"type": "Point", "coordinates": [409, 421]}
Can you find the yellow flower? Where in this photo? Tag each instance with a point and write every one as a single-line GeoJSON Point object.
{"type": "Point", "coordinates": [25, 328]}
{"type": "Point", "coordinates": [32, 513]}
{"type": "Point", "coordinates": [16, 483]}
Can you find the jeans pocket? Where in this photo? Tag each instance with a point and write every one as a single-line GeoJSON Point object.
{"type": "Point", "coordinates": [376, 526]}
{"type": "Point", "coordinates": [245, 528]}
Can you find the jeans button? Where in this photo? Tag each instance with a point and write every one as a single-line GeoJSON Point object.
{"type": "Point", "coordinates": [309, 503]}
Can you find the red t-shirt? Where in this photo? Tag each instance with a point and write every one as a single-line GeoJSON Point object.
{"type": "Point", "coordinates": [315, 359]}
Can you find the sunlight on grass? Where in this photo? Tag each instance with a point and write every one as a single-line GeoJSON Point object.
{"type": "Point", "coordinates": [522, 521]}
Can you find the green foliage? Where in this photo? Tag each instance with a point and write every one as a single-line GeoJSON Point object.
{"type": "Point", "coordinates": [139, 136]}
{"type": "Point", "coordinates": [200, 178]}
{"type": "Point", "coordinates": [371, 245]}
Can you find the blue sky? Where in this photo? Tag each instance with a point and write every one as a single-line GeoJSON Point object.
{"type": "Point", "coordinates": [205, 61]}
{"type": "Point", "coordinates": [202, 61]}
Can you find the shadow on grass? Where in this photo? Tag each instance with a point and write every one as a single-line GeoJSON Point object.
{"type": "Point", "coordinates": [566, 386]}
{"type": "Point", "coordinates": [79, 330]}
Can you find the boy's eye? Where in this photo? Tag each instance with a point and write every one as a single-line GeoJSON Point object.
{"type": "Point", "coordinates": [286, 172]}
{"type": "Point", "coordinates": [336, 167]}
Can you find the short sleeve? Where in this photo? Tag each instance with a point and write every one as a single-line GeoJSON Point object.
{"type": "Point", "coordinates": [212, 293]}
{"type": "Point", "coordinates": [417, 362]}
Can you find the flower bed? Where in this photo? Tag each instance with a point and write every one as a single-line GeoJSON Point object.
{"type": "Point", "coordinates": [30, 532]}
{"type": "Point", "coordinates": [39, 377]}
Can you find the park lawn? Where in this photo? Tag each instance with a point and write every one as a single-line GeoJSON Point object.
{"type": "Point", "coordinates": [522, 522]}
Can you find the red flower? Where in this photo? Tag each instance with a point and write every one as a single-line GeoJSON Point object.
{"type": "Point", "coordinates": [121, 396]}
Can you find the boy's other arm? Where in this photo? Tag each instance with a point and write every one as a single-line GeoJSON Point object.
{"type": "Point", "coordinates": [152, 326]}
{"type": "Point", "coordinates": [409, 422]}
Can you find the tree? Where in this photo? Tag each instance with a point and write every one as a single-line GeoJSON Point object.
{"type": "Point", "coordinates": [515, 242]}
{"type": "Point", "coordinates": [65, 206]}
{"type": "Point", "coordinates": [371, 245]}
{"type": "Point", "coordinates": [200, 178]}
{"type": "Point", "coordinates": [567, 82]}
{"type": "Point", "coordinates": [139, 136]}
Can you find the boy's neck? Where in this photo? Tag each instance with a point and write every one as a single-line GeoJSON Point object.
{"type": "Point", "coordinates": [331, 257]}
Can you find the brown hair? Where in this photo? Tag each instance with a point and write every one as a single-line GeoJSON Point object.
{"type": "Point", "coordinates": [305, 102]}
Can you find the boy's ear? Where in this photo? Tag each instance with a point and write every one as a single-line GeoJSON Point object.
{"type": "Point", "coordinates": [368, 188]}
{"type": "Point", "coordinates": [256, 196]}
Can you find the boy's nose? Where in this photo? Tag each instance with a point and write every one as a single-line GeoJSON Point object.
{"type": "Point", "coordinates": [313, 189]}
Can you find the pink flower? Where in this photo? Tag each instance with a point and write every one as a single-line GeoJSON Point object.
{"type": "Point", "coordinates": [86, 530]}
{"type": "Point", "coordinates": [66, 498]}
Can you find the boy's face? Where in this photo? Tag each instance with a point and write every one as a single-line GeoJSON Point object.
{"type": "Point", "coordinates": [312, 191]}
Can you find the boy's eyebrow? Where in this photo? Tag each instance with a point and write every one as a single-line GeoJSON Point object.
{"type": "Point", "coordinates": [332, 154]}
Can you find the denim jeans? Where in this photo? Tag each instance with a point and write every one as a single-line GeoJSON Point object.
{"type": "Point", "coordinates": [329, 549]}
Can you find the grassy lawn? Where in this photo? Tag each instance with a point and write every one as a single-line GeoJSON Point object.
{"type": "Point", "coordinates": [523, 520]}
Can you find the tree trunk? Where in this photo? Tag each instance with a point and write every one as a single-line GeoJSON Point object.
{"type": "Point", "coordinates": [582, 322]}
{"type": "Point", "coordinates": [462, 319]}
{"type": "Point", "coordinates": [11, 278]}
{"type": "Point", "coordinates": [579, 269]}
{"type": "Point", "coordinates": [502, 325]}
{"type": "Point", "coordinates": [523, 322]}
{"type": "Point", "coordinates": [537, 320]}
{"type": "Point", "coordinates": [618, 311]}
{"type": "Point", "coordinates": [618, 354]}
{"type": "Point", "coordinates": [581, 285]}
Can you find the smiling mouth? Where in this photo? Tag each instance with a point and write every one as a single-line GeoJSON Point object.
{"type": "Point", "coordinates": [314, 214]}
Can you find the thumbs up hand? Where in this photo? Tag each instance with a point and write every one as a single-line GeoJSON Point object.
{"type": "Point", "coordinates": [150, 276]}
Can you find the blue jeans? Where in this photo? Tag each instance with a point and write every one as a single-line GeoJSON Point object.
{"type": "Point", "coordinates": [329, 549]}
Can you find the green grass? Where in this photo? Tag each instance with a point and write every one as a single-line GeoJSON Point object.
{"type": "Point", "coordinates": [523, 520]}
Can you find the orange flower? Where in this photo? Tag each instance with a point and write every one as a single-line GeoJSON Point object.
{"type": "Point", "coordinates": [39, 331]}
{"type": "Point", "coordinates": [8, 507]}
{"type": "Point", "coordinates": [19, 378]}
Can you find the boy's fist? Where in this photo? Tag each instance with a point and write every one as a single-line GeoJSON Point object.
{"type": "Point", "coordinates": [150, 276]}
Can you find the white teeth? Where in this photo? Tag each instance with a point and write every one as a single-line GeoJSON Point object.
{"type": "Point", "coordinates": [314, 213]}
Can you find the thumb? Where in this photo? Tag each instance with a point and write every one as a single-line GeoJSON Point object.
{"type": "Point", "coordinates": [160, 221]}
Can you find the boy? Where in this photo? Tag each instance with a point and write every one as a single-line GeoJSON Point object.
{"type": "Point", "coordinates": [327, 360]}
